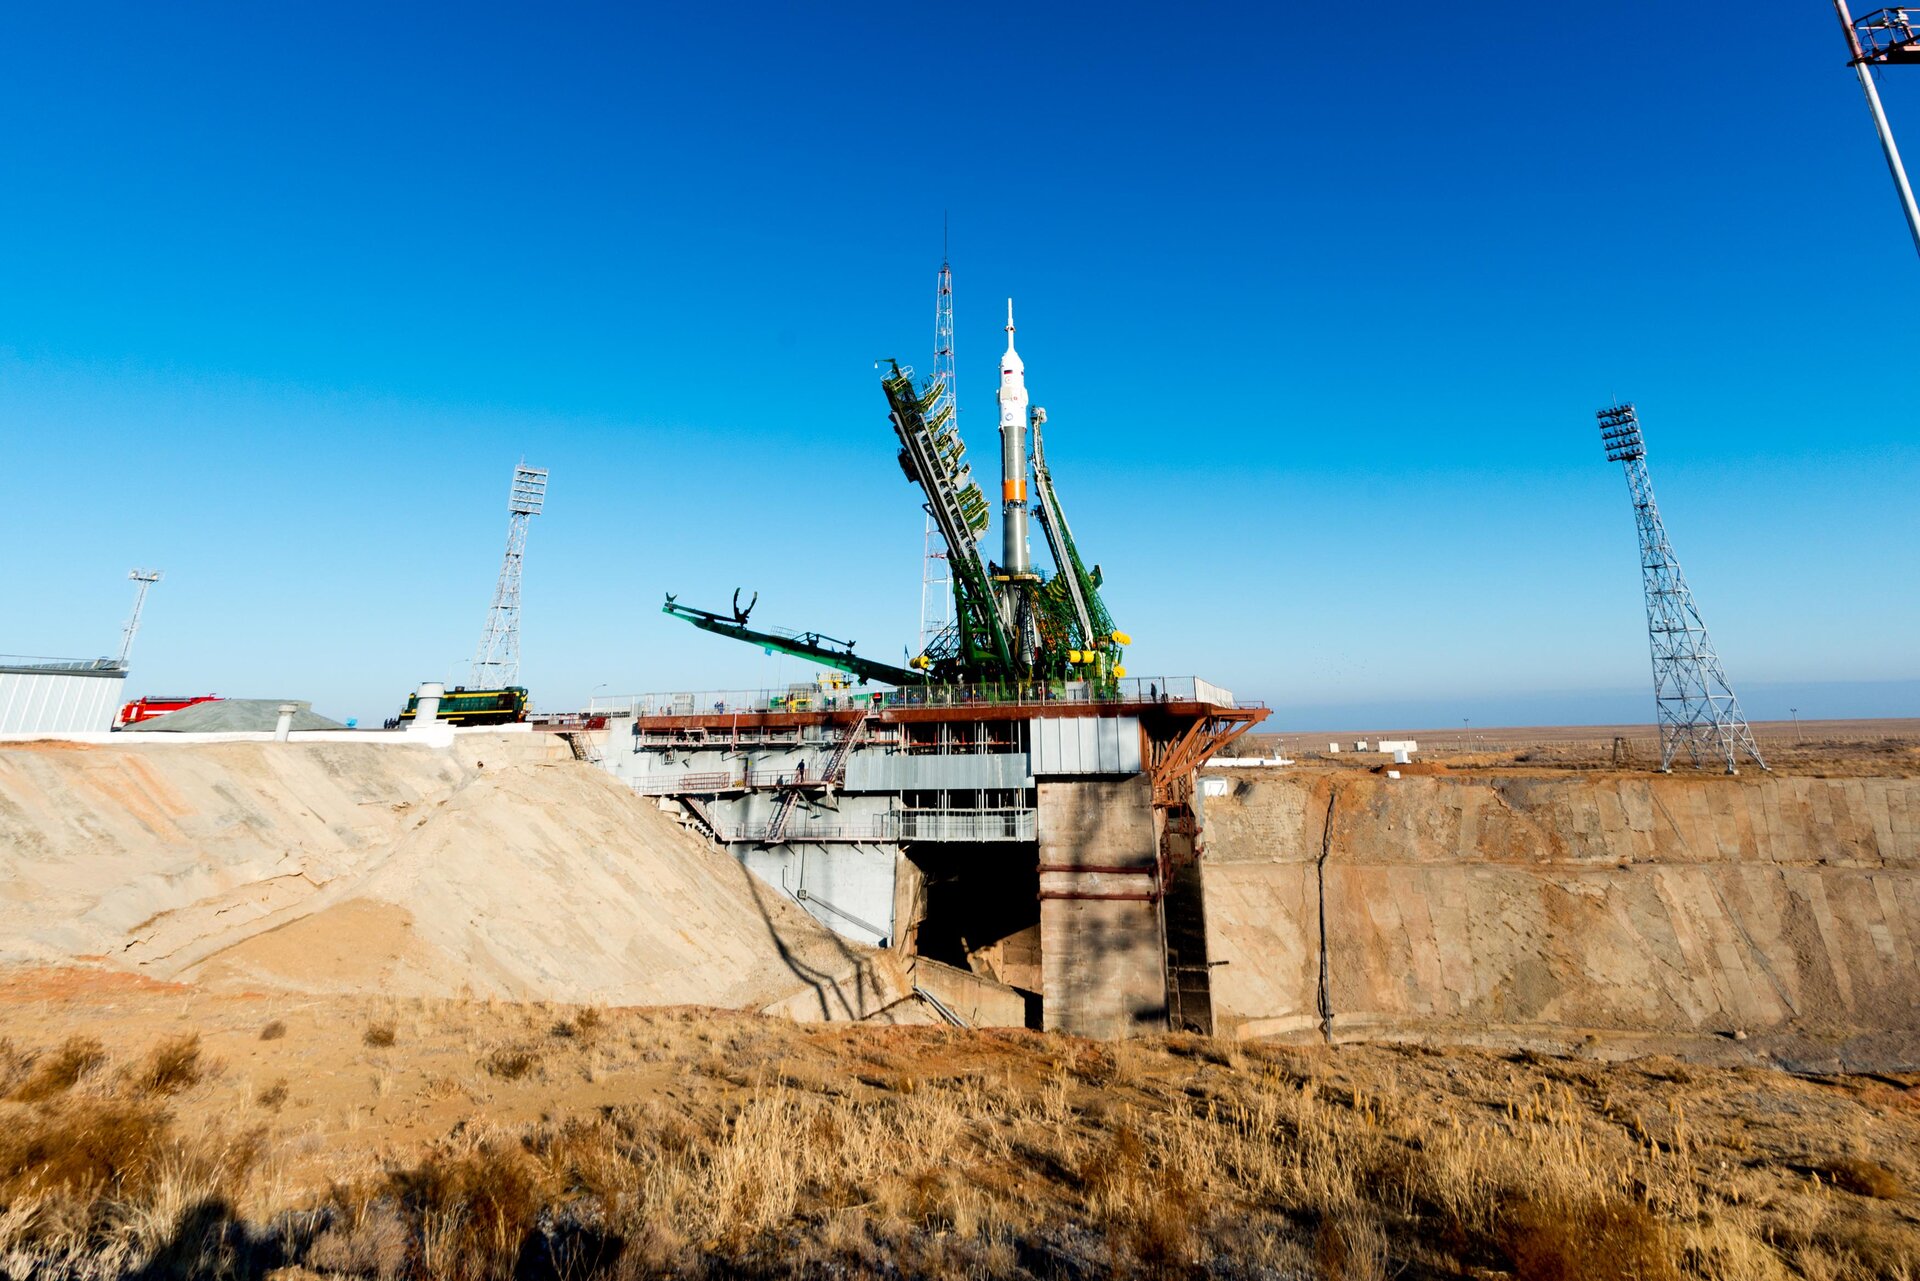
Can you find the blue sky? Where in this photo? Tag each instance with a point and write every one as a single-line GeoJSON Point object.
{"type": "Point", "coordinates": [1320, 312]}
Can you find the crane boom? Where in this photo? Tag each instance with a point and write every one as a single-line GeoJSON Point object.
{"type": "Point", "coordinates": [812, 646]}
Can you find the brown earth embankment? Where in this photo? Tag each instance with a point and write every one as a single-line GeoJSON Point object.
{"type": "Point", "coordinates": [488, 869]}
{"type": "Point", "coordinates": [1751, 916]}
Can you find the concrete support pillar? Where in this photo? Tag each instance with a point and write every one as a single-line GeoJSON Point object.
{"type": "Point", "coordinates": [1102, 941]}
{"type": "Point", "coordinates": [284, 726]}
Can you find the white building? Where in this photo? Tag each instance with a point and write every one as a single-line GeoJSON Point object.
{"type": "Point", "coordinates": [60, 698]}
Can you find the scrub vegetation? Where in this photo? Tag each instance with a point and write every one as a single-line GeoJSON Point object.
{"type": "Point", "coordinates": [500, 1140]}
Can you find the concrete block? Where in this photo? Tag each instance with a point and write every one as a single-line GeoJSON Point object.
{"type": "Point", "coordinates": [975, 998]}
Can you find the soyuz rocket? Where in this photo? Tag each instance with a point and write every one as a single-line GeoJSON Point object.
{"type": "Point", "coordinates": [1014, 561]}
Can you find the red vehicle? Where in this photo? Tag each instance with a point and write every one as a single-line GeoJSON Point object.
{"type": "Point", "coordinates": [145, 709]}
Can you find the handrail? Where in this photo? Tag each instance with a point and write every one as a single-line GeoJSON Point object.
{"type": "Point", "coordinates": [1131, 690]}
{"type": "Point", "coordinates": [894, 825]}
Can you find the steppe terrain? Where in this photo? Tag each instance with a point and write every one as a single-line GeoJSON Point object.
{"type": "Point", "coordinates": [163, 1129]}
{"type": "Point", "coordinates": [1835, 747]}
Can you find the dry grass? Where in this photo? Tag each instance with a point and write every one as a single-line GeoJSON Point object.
{"type": "Point", "coordinates": [510, 1062]}
{"type": "Point", "coordinates": [934, 1152]}
{"type": "Point", "coordinates": [379, 1035]}
{"type": "Point", "coordinates": [170, 1067]}
{"type": "Point", "coordinates": [96, 1185]}
{"type": "Point", "coordinates": [58, 1072]}
{"type": "Point", "coordinates": [273, 1031]}
{"type": "Point", "coordinates": [1865, 1178]}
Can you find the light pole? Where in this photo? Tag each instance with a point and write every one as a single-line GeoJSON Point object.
{"type": "Point", "coordinates": [1796, 723]}
{"type": "Point", "coordinates": [1890, 38]}
{"type": "Point", "coordinates": [1466, 725]}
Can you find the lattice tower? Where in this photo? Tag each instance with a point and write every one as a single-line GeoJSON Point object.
{"type": "Point", "coordinates": [1695, 705]}
{"type": "Point", "coordinates": [936, 574]}
{"type": "Point", "coordinates": [496, 663]}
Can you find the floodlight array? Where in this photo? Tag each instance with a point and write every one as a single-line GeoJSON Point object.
{"type": "Point", "coordinates": [1620, 433]}
{"type": "Point", "coordinates": [529, 491]}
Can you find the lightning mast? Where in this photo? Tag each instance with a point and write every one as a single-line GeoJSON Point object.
{"type": "Point", "coordinates": [936, 576]}
{"type": "Point", "coordinates": [146, 578]}
{"type": "Point", "coordinates": [1695, 705]}
{"type": "Point", "coordinates": [496, 664]}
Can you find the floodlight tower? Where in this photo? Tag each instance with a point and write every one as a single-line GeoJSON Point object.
{"type": "Point", "coordinates": [1885, 37]}
{"type": "Point", "coordinates": [936, 576]}
{"type": "Point", "coordinates": [1695, 706]}
{"type": "Point", "coordinates": [146, 578]}
{"type": "Point", "coordinates": [496, 663]}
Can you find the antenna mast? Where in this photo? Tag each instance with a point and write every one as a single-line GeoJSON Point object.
{"type": "Point", "coordinates": [146, 578]}
{"type": "Point", "coordinates": [1695, 705]}
{"type": "Point", "coordinates": [496, 664]}
{"type": "Point", "coordinates": [936, 575]}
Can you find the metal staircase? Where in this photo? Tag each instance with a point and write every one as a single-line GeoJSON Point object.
{"type": "Point", "coordinates": [702, 817]}
{"type": "Point", "coordinates": [836, 771]}
{"type": "Point", "coordinates": [832, 775]}
{"type": "Point", "coordinates": [581, 744]}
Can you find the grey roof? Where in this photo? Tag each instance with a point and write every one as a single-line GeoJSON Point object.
{"type": "Point", "coordinates": [230, 714]}
{"type": "Point", "coordinates": [60, 666]}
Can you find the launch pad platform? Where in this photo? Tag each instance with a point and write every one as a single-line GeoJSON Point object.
{"type": "Point", "coordinates": [1045, 836]}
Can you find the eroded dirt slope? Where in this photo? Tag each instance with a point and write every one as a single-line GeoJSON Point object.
{"type": "Point", "coordinates": [487, 869]}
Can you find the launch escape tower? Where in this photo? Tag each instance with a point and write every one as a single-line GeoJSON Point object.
{"type": "Point", "coordinates": [496, 664]}
{"type": "Point", "coordinates": [1696, 706]}
{"type": "Point", "coordinates": [1883, 38]}
{"type": "Point", "coordinates": [1015, 813]}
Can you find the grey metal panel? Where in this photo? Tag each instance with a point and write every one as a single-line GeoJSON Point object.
{"type": "Point", "coordinates": [893, 772]}
{"type": "Point", "coordinates": [56, 702]}
{"type": "Point", "coordinates": [1078, 745]}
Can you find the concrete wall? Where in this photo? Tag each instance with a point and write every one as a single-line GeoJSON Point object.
{"type": "Point", "coordinates": [1572, 909]}
{"type": "Point", "coordinates": [976, 999]}
{"type": "Point", "coordinates": [1103, 957]}
{"type": "Point", "coordinates": [847, 888]}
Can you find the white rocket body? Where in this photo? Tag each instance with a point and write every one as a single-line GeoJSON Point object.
{"type": "Point", "coordinates": [1014, 558]}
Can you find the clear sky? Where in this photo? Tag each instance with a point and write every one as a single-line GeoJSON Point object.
{"type": "Point", "coordinates": [1320, 301]}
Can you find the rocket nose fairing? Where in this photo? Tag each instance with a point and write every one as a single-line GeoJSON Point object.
{"type": "Point", "coordinates": [1013, 458]}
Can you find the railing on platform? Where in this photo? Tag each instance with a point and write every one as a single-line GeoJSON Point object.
{"type": "Point", "coordinates": [965, 825]}
{"type": "Point", "coordinates": [708, 782]}
{"type": "Point", "coordinates": [695, 783]}
{"type": "Point", "coordinates": [1131, 689]}
{"type": "Point", "coordinates": [900, 825]}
